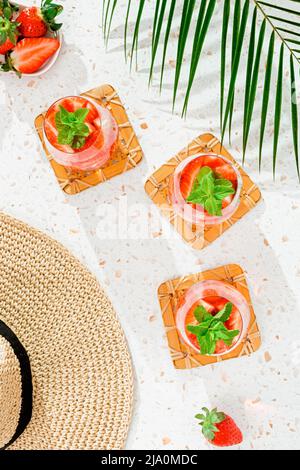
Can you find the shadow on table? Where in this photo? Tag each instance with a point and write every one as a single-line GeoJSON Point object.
{"type": "Point", "coordinates": [260, 390]}
{"type": "Point", "coordinates": [133, 256]}
{"type": "Point", "coordinates": [27, 97]}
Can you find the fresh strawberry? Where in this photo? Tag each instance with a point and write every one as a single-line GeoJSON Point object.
{"type": "Point", "coordinates": [8, 35]}
{"type": "Point", "coordinates": [30, 55]}
{"type": "Point", "coordinates": [219, 429]}
{"type": "Point", "coordinates": [35, 22]}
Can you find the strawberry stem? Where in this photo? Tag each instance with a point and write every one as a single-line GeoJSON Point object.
{"type": "Point", "coordinates": [208, 422]}
{"type": "Point", "coordinates": [49, 12]}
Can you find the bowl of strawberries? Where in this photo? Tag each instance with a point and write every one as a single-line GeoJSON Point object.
{"type": "Point", "coordinates": [30, 37]}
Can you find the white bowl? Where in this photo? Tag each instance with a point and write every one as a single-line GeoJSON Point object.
{"type": "Point", "coordinates": [47, 66]}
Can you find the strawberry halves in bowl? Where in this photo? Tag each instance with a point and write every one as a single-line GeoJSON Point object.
{"type": "Point", "coordinates": [30, 38]}
{"type": "Point", "coordinates": [205, 189]}
{"type": "Point", "coordinates": [79, 133]}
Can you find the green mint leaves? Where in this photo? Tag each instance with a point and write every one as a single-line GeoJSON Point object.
{"type": "Point", "coordinates": [71, 127]}
{"type": "Point", "coordinates": [208, 421]}
{"type": "Point", "coordinates": [211, 329]}
{"type": "Point", "coordinates": [209, 191]}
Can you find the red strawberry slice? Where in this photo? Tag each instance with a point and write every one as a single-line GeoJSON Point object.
{"type": "Point", "coordinates": [93, 114]}
{"type": "Point", "coordinates": [235, 322]}
{"type": "Point", "coordinates": [227, 172]}
{"type": "Point", "coordinates": [30, 55]}
{"type": "Point", "coordinates": [217, 302]}
{"type": "Point", "coordinates": [188, 176]}
{"type": "Point", "coordinates": [227, 201]}
{"type": "Point", "coordinates": [67, 104]}
{"type": "Point", "coordinates": [212, 162]}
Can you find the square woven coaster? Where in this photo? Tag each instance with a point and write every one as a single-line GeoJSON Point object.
{"type": "Point", "coordinates": [170, 293]}
{"type": "Point", "coordinates": [127, 154]}
{"type": "Point", "coordinates": [157, 188]}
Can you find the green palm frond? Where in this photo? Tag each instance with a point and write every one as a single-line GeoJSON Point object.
{"type": "Point", "coordinates": [273, 28]}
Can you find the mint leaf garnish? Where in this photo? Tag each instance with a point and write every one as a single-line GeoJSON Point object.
{"type": "Point", "coordinates": [71, 127]}
{"type": "Point", "coordinates": [211, 329]}
{"type": "Point", "coordinates": [209, 191]}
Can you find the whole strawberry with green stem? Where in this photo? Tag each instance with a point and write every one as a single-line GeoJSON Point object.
{"type": "Point", "coordinates": [8, 34]}
{"type": "Point", "coordinates": [35, 22]}
{"type": "Point", "coordinates": [219, 429]}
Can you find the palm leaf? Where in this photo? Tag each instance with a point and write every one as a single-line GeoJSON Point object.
{"type": "Point", "coordinates": [249, 72]}
{"type": "Point", "coordinates": [271, 25]}
{"type": "Point", "coordinates": [266, 95]}
{"type": "Point", "coordinates": [278, 106]}
{"type": "Point", "coordinates": [226, 16]}
{"type": "Point", "coordinates": [294, 108]}
{"type": "Point", "coordinates": [157, 27]}
{"type": "Point", "coordinates": [235, 67]}
{"type": "Point", "coordinates": [126, 29]}
{"type": "Point", "coordinates": [235, 34]}
{"type": "Point", "coordinates": [203, 22]}
{"type": "Point", "coordinates": [166, 41]}
{"type": "Point", "coordinates": [187, 15]}
{"type": "Point", "coordinates": [253, 87]}
{"type": "Point", "coordinates": [113, 7]}
{"type": "Point", "coordinates": [135, 41]}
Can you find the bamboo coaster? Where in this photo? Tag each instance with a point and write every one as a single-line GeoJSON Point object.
{"type": "Point", "coordinates": [171, 292]}
{"type": "Point", "coordinates": [199, 236]}
{"type": "Point", "coordinates": [127, 153]}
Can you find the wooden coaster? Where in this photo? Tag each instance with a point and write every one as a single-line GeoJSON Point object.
{"type": "Point", "coordinates": [127, 154]}
{"type": "Point", "coordinates": [169, 295]}
{"type": "Point", "coordinates": [157, 188]}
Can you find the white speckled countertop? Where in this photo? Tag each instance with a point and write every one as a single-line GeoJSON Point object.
{"type": "Point", "coordinates": [262, 392]}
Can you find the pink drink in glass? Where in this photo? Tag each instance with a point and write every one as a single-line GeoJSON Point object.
{"type": "Point", "coordinates": [182, 182]}
{"type": "Point", "coordinates": [99, 144]}
{"type": "Point", "coordinates": [213, 296]}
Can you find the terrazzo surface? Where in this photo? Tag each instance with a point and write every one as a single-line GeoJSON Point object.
{"type": "Point", "coordinates": [262, 391]}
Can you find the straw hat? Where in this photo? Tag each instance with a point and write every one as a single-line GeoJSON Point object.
{"type": "Point", "coordinates": [65, 370]}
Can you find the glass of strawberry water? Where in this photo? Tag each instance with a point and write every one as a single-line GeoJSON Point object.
{"type": "Point", "coordinates": [213, 296]}
{"type": "Point", "coordinates": [99, 143]}
{"type": "Point", "coordinates": [182, 182]}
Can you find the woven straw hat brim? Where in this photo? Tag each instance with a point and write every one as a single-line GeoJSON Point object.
{"type": "Point", "coordinates": [81, 366]}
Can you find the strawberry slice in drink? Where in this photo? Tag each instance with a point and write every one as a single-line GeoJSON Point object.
{"type": "Point", "coordinates": [226, 172]}
{"type": "Point", "coordinates": [52, 132]}
{"type": "Point", "coordinates": [189, 175]}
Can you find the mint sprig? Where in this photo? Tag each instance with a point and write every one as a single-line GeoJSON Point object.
{"type": "Point", "coordinates": [211, 329]}
{"type": "Point", "coordinates": [71, 127]}
{"type": "Point", "coordinates": [209, 191]}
